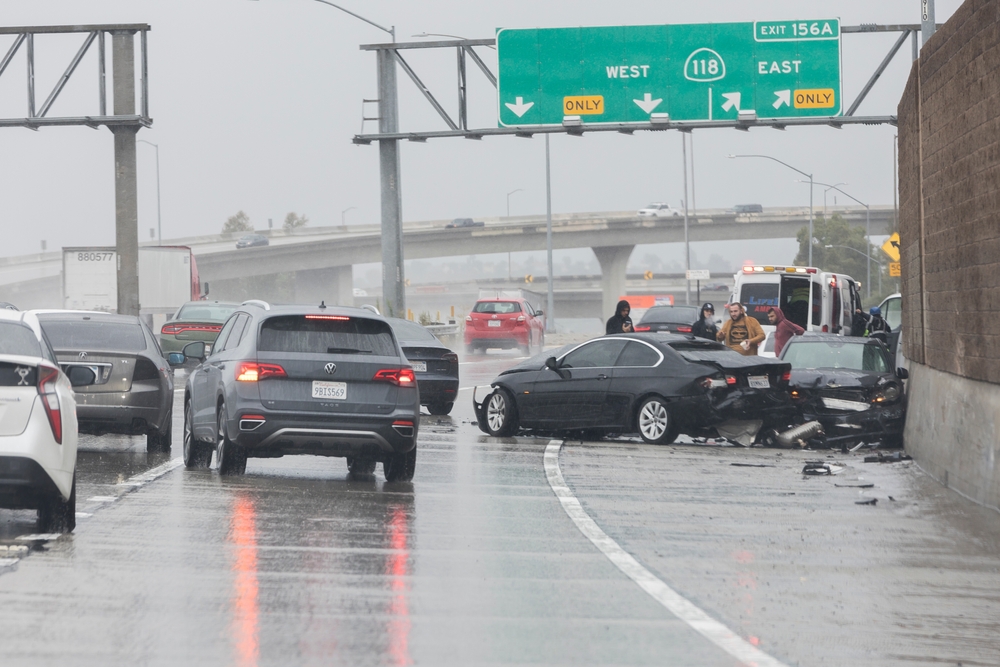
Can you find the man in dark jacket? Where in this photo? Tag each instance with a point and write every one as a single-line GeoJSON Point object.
{"type": "Point", "coordinates": [620, 322]}
{"type": "Point", "coordinates": [705, 327]}
{"type": "Point", "coordinates": [876, 326]}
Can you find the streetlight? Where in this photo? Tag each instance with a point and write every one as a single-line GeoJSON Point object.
{"type": "Point", "coordinates": [441, 34]}
{"type": "Point", "coordinates": [868, 230]}
{"type": "Point", "coordinates": [159, 226]}
{"type": "Point", "coordinates": [343, 221]}
{"type": "Point", "coordinates": [391, 31]}
{"type": "Point", "coordinates": [509, 278]}
{"type": "Point", "coordinates": [824, 195]}
{"type": "Point", "coordinates": [810, 176]}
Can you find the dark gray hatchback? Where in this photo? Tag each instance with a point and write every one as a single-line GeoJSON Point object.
{"type": "Point", "coordinates": [302, 380]}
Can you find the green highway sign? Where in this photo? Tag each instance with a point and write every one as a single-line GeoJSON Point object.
{"type": "Point", "coordinates": [635, 74]}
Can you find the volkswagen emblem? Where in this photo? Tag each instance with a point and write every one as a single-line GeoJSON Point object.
{"type": "Point", "coordinates": [82, 355]}
{"type": "Point", "coordinates": [330, 368]}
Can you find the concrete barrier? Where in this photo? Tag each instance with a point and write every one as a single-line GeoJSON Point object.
{"type": "Point", "coordinates": [953, 432]}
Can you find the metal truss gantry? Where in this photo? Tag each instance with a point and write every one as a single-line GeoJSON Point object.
{"type": "Point", "coordinates": [123, 121]}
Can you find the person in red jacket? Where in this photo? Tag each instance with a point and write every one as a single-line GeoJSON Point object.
{"type": "Point", "coordinates": [783, 329]}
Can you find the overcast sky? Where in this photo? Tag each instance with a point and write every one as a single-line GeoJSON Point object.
{"type": "Point", "coordinates": [255, 103]}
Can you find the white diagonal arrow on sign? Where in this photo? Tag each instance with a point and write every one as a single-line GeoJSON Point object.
{"type": "Point", "coordinates": [647, 103]}
{"type": "Point", "coordinates": [732, 100]}
{"type": "Point", "coordinates": [784, 97]}
{"type": "Point", "coordinates": [520, 107]}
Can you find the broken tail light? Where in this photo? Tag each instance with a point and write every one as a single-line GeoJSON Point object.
{"type": "Point", "coordinates": [786, 376]}
{"type": "Point", "coordinates": [712, 383]}
{"type": "Point", "coordinates": [50, 399]}
{"type": "Point", "coordinates": [731, 380]}
{"type": "Point", "coordinates": [251, 371]}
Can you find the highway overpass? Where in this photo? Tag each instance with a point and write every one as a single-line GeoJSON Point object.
{"type": "Point", "coordinates": [321, 259]}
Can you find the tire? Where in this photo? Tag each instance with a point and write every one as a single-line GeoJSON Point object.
{"type": "Point", "coordinates": [161, 442]}
{"type": "Point", "coordinates": [196, 455]}
{"type": "Point", "coordinates": [400, 467]}
{"type": "Point", "coordinates": [501, 414]}
{"type": "Point", "coordinates": [231, 457]}
{"type": "Point", "coordinates": [440, 408]}
{"type": "Point", "coordinates": [654, 422]}
{"type": "Point", "coordinates": [361, 467]}
{"type": "Point", "coordinates": [57, 515]}
{"type": "Point", "coordinates": [470, 349]}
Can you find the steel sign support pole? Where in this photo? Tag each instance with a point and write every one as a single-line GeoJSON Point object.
{"type": "Point", "coordinates": [687, 244]}
{"type": "Point", "coordinates": [392, 202]}
{"type": "Point", "coordinates": [810, 220]}
{"type": "Point", "coordinates": [927, 25]}
{"type": "Point", "coordinates": [550, 308]}
{"type": "Point", "coordinates": [868, 247]}
{"type": "Point", "coordinates": [126, 200]}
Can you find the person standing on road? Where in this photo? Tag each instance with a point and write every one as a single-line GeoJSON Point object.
{"type": "Point", "coordinates": [784, 329]}
{"type": "Point", "coordinates": [705, 326]}
{"type": "Point", "coordinates": [741, 333]}
{"type": "Point", "coordinates": [620, 322]}
{"type": "Point", "coordinates": [876, 326]}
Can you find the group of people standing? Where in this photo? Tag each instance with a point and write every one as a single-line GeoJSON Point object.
{"type": "Point", "coordinates": [743, 333]}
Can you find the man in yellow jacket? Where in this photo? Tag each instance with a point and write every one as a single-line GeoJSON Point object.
{"type": "Point", "coordinates": [741, 332]}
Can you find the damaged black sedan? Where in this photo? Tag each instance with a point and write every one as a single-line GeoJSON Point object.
{"type": "Point", "coordinates": [659, 385]}
{"type": "Point", "coordinates": [849, 387]}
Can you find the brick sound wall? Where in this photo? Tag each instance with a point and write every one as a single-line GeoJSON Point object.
{"type": "Point", "coordinates": [949, 187]}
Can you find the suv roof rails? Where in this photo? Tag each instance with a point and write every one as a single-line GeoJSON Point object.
{"type": "Point", "coordinates": [257, 302]}
{"type": "Point", "coordinates": [372, 308]}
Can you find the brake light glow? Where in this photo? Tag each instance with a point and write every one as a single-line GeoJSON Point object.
{"type": "Point", "coordinates": [731, 380]}
{"type": "Point", "coordinates": [173, 329]}
{"type": "Point", "coordinates": [48, 377]}
{"type": "Point", "coordinates": [401, 377]}
{"type": "Point", "coordinates": [684, 329]}
{"type": "Point", "coordinates": [251, 371]}
{"type": "Point", "coordinates": [641, 327]}
{"type": "Point", "coordinates": [338, 318]}
{"type": "Point", "coordinates": [787, 376]}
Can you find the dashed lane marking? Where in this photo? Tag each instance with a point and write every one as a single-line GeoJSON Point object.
{"type": "Point", "coordinates": [698, 620]}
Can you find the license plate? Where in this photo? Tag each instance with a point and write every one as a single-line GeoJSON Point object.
{"type": "Point", "coordinates": [335, 390]}
{"type": "Point", "coordinates": [759, 382]}
{"type": "Point", "coordinates": [419, 366]}
{"type": "Point", "coordinates": [493, 323]}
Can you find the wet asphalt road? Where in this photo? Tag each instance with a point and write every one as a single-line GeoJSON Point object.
{"type": "Point", "coordinates": [477, 563]}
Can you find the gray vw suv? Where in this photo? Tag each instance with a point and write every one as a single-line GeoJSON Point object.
{"type": "Point", "coordinates": [327, 381]}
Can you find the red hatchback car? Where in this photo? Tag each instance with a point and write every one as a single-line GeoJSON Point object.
{"type": "Point", "coordinates": [505, 323]}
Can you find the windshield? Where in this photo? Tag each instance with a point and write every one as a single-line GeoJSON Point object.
{"type": "Point", "coordinates": [501, 307]}
{"type": "Point", "coordinates": [206, 312]}
{"type": "Point", "coordinates": [406, 330]}
{"type": "Point", "coordinates": [320, 335]}
{"type": "Point", "coordinates": [671, 314]}
{"type": "Point", "coordinates": [867, 356]}
{"type": "Point", "coordinates": [15, 338]}
{"type": "Point", "coordinates": [94, 335]}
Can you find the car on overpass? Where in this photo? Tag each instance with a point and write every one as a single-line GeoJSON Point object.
{"type": "Point", "coordinates": [252, 240]}
{"type": "Point", "coordinates": [459, 223]}
{"type": "Point", "coordinates": [659, 210]}
{"type": "Point", "coordinates": [506, 322]}
{"type": "Point", "coordinates": [656, 385]}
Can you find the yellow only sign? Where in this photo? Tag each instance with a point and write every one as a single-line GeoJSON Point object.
{"type": "Point", "coordinates": [583, 105]}
{"type": "Point", "coordinates": [891, 247]}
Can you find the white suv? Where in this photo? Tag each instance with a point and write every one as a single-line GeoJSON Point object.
{"type": "Point", "coordinates": [38, 428]}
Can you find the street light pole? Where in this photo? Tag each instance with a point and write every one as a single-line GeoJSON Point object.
{"type": "Point", "coordinates": [687, 244]}
{"type": "Point", "coordinates": [549, 319]}
{"type": "Point", "coordinates": [824, 196]}
{"type": "Point", "coordinates": [159, 226]}
{"type": "Point", "coordinates": [868, 232]}
{"type": "Point", "coordinates": [343, 215]}
{"type": "Point", "coordinates": [810, 177]}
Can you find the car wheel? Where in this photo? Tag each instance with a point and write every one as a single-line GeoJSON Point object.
{"type": "Point", "coordinates": [656, 424]}
{"type": "Point", "coordinates": [231, 457]}
{"type": "Point", "coordinates": [470, 348]}
{"type": "Point", "coordinates": [57, 515]}
{"type": "Point", "coordinates": [196, 455]}
{"type": "Point", "coordinates": [360, 466]}
{"type": "Point", "coordinates": [400, 467]}
{"type": "Point", "coordinates": [161, 442]}
{"type": "Point", "coordinates": [501, 414]}
{"type": "Point", "coordinates": [440, 408]}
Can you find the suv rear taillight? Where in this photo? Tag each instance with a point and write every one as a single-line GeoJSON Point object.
{"type": "Point", "coordinates": [251, 371]}
{"type": "Point", "coordinates": [401, 377]}
{"type": "Point", "coordinates": [47, 378]}
{"type": "Point", "coordinates": [451, 358]}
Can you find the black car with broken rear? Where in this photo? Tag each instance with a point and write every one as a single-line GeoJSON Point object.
{"type": "Point", "coordinates": [133, 390]}
{"type": "Point", "coordinates": [670, 319]}
{"type": "Point", "coordinates": [302, 380]}
{"type": "Point", "coordinates": [434, 364]}
{"type": "Point", "coordinates": [659, 385]}
{"type": "Point", "coordinates": [848, 385]}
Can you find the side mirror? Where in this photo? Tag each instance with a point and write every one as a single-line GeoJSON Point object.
{"type": "Point", "coordinates": [195, 350]}
{"type": "Point", "coordinates": [902, 373]}
{"type": "Point", "coordinates": [175, 358]}
{"type": "Point", "coordinates": [205, 293]}
{"type": "Point", "coordinates": [552, 364]}
{"type": "Point", "coordinates": [539, 313]}
{"type": "Point", "coordinates": [81, 376]}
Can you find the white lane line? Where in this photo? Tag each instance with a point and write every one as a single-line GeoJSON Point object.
{"type": "Point", "coordinates": [8, 562]}
{"type": "Point", "coordinates": [142, 479]}
{"type": "Point", "coordinates": [677, 605]}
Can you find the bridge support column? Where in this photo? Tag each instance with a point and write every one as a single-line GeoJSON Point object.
{"type": "Point", "coordinates": [333, 285]}
{"type": "Point", "coordinates": [613, 260]}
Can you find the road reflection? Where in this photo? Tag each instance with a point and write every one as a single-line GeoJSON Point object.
{"type": "Point", "coordinates": [397, 568]}
{"type": "Point", "coordinates": [243, 537]}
